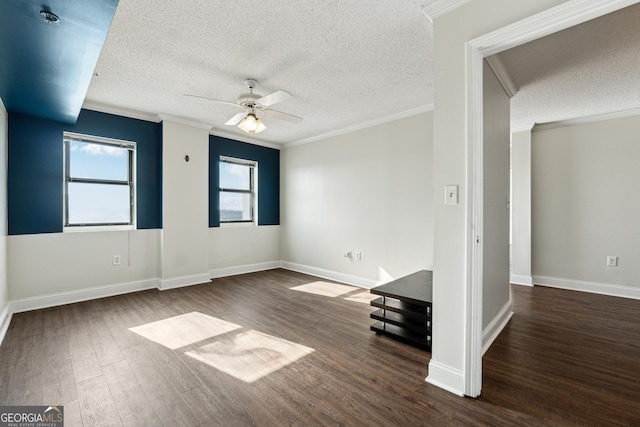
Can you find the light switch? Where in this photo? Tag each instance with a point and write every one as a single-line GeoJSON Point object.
{"type": "Point", "coordinates": [451, 195]}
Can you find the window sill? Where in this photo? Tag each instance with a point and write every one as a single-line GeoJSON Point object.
{"type": "Point", "coordinates": [97, 228]}
{"type": "Point", "coordinates": [237, 224]}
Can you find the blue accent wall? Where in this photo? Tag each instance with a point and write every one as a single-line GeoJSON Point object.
{"type": "Point", "coordinates": [36, 169]}
{"type": "Point", "coordinates": [268, 177]}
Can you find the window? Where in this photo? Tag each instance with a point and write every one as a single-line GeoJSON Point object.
{"type": "Point", "coordinates": [237, 190]}
{"type": "Point", "coordinates": [99, 182]}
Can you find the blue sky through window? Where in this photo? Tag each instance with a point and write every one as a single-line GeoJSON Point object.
{"type": "Point", "coordinates": [235, 176]}
{"type": "Point", "coordinates": [98, 161]}
{"type": "Point", "coordinates": [235, 206]}
{"type": "Point", "coordinates": [96, 203]}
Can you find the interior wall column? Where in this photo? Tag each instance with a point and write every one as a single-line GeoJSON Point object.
{"type": "Point", "coordinates": [185, 206]}
{"type": "Point", "coordinates": [521, 206]}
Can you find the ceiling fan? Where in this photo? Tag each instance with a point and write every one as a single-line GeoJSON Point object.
{"type": "Point", "coordinates": [255, 105]}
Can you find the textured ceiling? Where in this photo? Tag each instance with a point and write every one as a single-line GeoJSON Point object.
{"type": "Point", "coordinates": [586, 70]}
{"type": "Point", "coordinates": [346, 62]}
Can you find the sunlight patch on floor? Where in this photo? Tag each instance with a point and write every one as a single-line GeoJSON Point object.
{"type": "Point", "coordinates": [251, 355]}
{"type": "Point", "coordinates": [325, 289]}
{"type": "Point", "coordinates": [363, 297]}
{"type": "Point", "coordinates": [185, 329]}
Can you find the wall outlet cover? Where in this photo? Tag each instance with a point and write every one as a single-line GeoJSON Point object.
{"type": "Point", "coordinates": [451, 195]}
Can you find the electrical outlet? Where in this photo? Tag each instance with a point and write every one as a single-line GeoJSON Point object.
{"type": "Point", "coordinates": [358, 256]}
{"type": "Point", "coordinates": [612, 261]}
{"type": "Point", "coordinates": [116, 260]}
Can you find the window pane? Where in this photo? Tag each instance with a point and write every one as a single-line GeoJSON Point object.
{"type": "Point", "coordinates": [235, 206]}
{"type": "Point", "coordinates": [234, 176]}
{"type": "Point", "coordinates": [98, 204]}
{"type": "Point", "coordinates": [98, 161]}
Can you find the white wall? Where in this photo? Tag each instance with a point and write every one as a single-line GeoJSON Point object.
{"type": "Point", "coordinates": [69, 263]}
{"type": "Point", "coordinates": [245, 247]}
{"type": "Point", "coordinates": [495, 268]}
{"type": "Point", "coordinates": [451, 246]}
{"type": "Point", "coordinates": [4, 287]}
{"type": "Point", "coordinates": [586, 203]}
{"type": "Point", "coordinates": [368, 191]}
{"type": "Point", "coordinates": [185, 205]}
{"type": "Point", "coordinates": [521, 208]}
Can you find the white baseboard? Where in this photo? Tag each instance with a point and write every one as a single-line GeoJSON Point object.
{"type": "Point", "coordinates": [496, 326]}
{"type": "Point", "coordinates": [446, 378]}
{"type": "Point", "coordinates": [243, 269]}
{"type": "Point", "coordinates": [330, 275]}
{"type": "Point", "coordinates": [518, 279]}
{"type": "Point", "coordinates": [62, 298]}
{"type": "Point", "coordinates": [182, 281]}
{"type": "Point", "coordinates": [5, 319]}
{"type": "Point", "coordinates": [592, 287]}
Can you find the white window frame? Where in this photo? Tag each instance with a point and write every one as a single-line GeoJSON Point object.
{"type": "Point", "coordinates": [253, 191]}
{"type": "Point", "coordinates": [69, 137]}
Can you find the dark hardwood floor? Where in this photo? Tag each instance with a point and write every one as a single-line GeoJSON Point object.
{"type": "Point", "coordinates": [250, 351]}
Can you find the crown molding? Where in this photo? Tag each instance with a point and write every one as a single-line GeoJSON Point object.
{"type": "Point", "coordinates": [501, 72]}
{"type": "Point", "coordinates": [549, 21]}
{"type": "Point", "coordinates": [365, 125]}
{"type": "Point", "coordinates": [587, 119]}
{"type": "Point", "coordinates": [523, 128]}
{"type": "Point", "coordinates": [242, 138]}
{"type": "Point", "coordinates": [435, 8]}
{"type": "Point", "coordinates": [120, 111]}
{"type": "Point", "coordinates": [183, 121]}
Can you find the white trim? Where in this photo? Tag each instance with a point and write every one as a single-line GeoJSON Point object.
{"type": "Point", "coordinates": [243, 269]}
{"type": "Point", "coordinates": [496, 326]}
{"type": "Point", "coordinates": [361, 282]}
{"type": "Point", "coordinates": [88, 139]}
{"type": "Point", "coordinates": [588, 119]}
{"type": "Point", "coordinates": [523, 128]}
{"type": "Point", "coordinates": [565, 15]}
{"type": "Point", "coordinates": [120, 111]}
{"type": "Point", "coordinates": [591, 287]}
{"type": "Point", "coordinates": [248, 139]}
{"type": "Point", "coordinates": [182, 281]}
{"type": "Point", "coordinates": [558, 18]}
{"type": "Point", "coordinates": [446, 378]}
{"type": "Point", "coordinates": [436, 8]}
{"type": "Point", "coordinates": [69, 297]}
{"type": "Point", "coordinates": [518, 279]}
{"type": "Point", "coordinates": [474, 230]}
{"type": "Point", "coordinates": [185, 122]}
{"type": "Point", "coordinates": [365, 125]}
{"type": "Point", "coordinates": [3, 109]}
{"type": "Point", "coordinates": [5, 318]}
{"type": "Point", "coordinates": [501, 72]}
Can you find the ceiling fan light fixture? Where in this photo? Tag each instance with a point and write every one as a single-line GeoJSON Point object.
{"type": "Point", "coordinates": [251, 124]}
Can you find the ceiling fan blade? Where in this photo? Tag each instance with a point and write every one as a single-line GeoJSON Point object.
{"type": "Point", "coordinates": [273, 98]}
{"type": "Point", "coordinates": [214, 100]}
{"type": "Point", "coordinates": [236, 119]}
{"type": "Point", "coordinates": [282, 116]}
